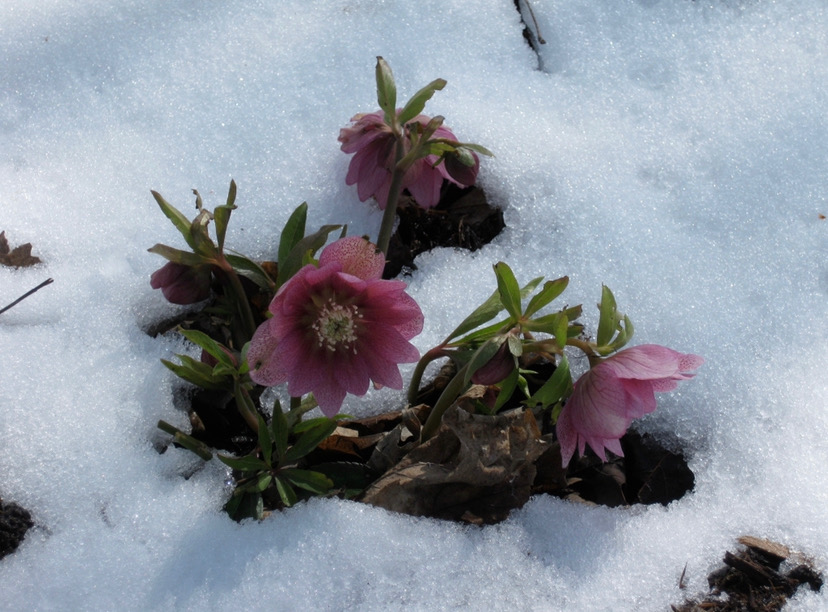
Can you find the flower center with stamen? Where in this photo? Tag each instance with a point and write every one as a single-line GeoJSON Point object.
{"type": "Point", "coordinates": [335, 326]}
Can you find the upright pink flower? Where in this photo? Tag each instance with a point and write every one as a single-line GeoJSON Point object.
{"type": "Point", "coordinates": [337, 327]}
{"type": "Point", "coordinates": [619, 389]}
{"type": "Point", "coordinates": [372, 142]}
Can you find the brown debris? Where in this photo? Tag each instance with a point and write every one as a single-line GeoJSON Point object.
{"type": "Point", "coordinates": [760, 578]}
{"type": "Point", "coordinates": [18, 257]}
{"type": "Point", "coordinates": [476, 469]}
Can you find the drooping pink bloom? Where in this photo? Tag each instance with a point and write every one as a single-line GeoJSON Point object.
{"type": "Point", "coordinates": [619, 389]}
{"type": "Point", "coordinates": [182, 284]}
{"type": "Point", "coordinates": [337, 327]}
{"type": "Point", "coordinates": [372, 166]}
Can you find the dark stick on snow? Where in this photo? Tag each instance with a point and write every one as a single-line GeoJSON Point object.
{"type": "Point", "coordinates": [27, 294]}
{"type": "Point", "coordinates": [535, 21]}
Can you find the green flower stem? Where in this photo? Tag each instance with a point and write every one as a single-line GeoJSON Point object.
{"type": "Point", "coordinates": [587, 349]}
{"type": "Point", "coordinates": [244, 404]}
{"type": "Point", "coordinates": [390, 214]}
{"type": "Point", "coordinates": [417, 376]}
{"type": "Point", "coordinates": [447, 398]}
{"type": "Point", "coordinates": [242, 303]}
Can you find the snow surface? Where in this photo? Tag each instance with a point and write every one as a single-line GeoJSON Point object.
{"type": "Point", "coordinates": [676, 151]}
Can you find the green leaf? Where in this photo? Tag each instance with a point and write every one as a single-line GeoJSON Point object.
{"type": "Point", "coordinates": [507, 388]}
{"type": "Point", "coordinates": [202, 243]}
{"type": "Point", "coordinates": [279, 429]}
{"type": "Point", "coordinates": [222, 215]}
{"type": "Point", "coordinates": [386, 90]}
{"type": "Point", "coordinates": [242, 505]}
{"type": "Point", "coordinates": [293, 231]}
{"type": "Point", "coordinates": [309, 440]}
{"type": "Point", "coordinates": [208, 344]}
{"type": "Point", "coordinates": [286, 492]}
{"type": "Point", "coordinates": [311, 243]}
{"type": "Point", "coordinates": [194, 374]}
{"type": "Point", "coordinates": [608, 321]}
{"type": "Point", "coordinates": [346, 475]}
{"type": "Point", "coordinates": [556, 388]}
{"type": "Point", "coordinates": [515, 345]}
{"type": "Point", "coordinates": [250, 269]}
{"type": "Point", "coordinates": [508, 289]}
{"type": "Point", "coordinates": [265, 441]}
{"type": "Point", "coordinates": [418, 101]}
{"type": "Point", "coordinates": [309, 480]}
{"type": "Point", "coordinates": [181, 222]}
{"type": "Point", "coordinates": [185, 258]}
{"type": "Point", "coordinates": [477, 149]}
{"type": "Point", "coordinates": [191, 444]}
{"type": "Point", "coordinates": [487, 311]}
{"type": "Point", "coordinates": [248, 463]}
{"type": "Point", "coordinates": [551, 290]}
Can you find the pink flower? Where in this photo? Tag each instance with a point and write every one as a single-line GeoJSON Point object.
{"type": "Point", "coordinates": [182, 284]}
{"type": "Point", "coordinates": [337, 327]}
{"type": "Point", "coordinates": [372, 142]}
{"type": "Point", "coordinates": [619, 389]}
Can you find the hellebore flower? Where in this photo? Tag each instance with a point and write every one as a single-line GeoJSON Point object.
{"type": "Point", "coordinates": [496, 369]}
{"type": "Point", "coordinates": [619, 389]}
{"type": "Point", "coordinates": [337, 327]}
{"type": "Point", "coordinates": [182, 284]}
{"type": "Point", "coordinates": [371, 169]}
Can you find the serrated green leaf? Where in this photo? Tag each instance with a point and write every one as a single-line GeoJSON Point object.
{"type": "Point", "coordinates": [310, 243]}
{"type": "Point", "coordinates": [386, 90]}
{"type": "Point", "coordinates": [508, 289]}
{"type": "Point", "coordinates": [418, 101]}
{"type": "Point", "coordinates": [182, 223]}
{"type": "Point", "coordinates": [608, 321]}
{"type": "Point", "coordinates": [293, 231]}
{"type": "Point", "coordinates": [185, 258]}
{"type": "Point", "coordinates": [309, 480]}
{"type": "Point", "coordinates": [248, 463]}
{"type": "Point", "coordinates": [286, 491]}
{"type": "Point", "coordinates": [557, 386]}
{"type": "Point", "coordinates": [551, 290]}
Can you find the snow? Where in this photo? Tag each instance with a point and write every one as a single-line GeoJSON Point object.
{"type": "Point", "coordinates": [676, 151]}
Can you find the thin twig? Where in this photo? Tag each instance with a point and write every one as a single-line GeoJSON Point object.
{"type": "Point", "coordinates": [535, 21]}
{"type": "Point", "coordinates": [27, 294]}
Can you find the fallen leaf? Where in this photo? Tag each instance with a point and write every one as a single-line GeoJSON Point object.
{"type": "Point", "coordinates": [18, 257]}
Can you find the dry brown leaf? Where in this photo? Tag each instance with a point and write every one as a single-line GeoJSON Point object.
{"type": "Point", "coordinates": [476, 469]}
{"type": "Point", "coordinates": [18, 257]}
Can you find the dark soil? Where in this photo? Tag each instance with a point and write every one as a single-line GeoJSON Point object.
{"type": "Point", "coordinates": [15, 521]}
{"type": "Point", "coordinates": [462, 219]}
{"type": "Point", "coordinates": [759, 578]}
